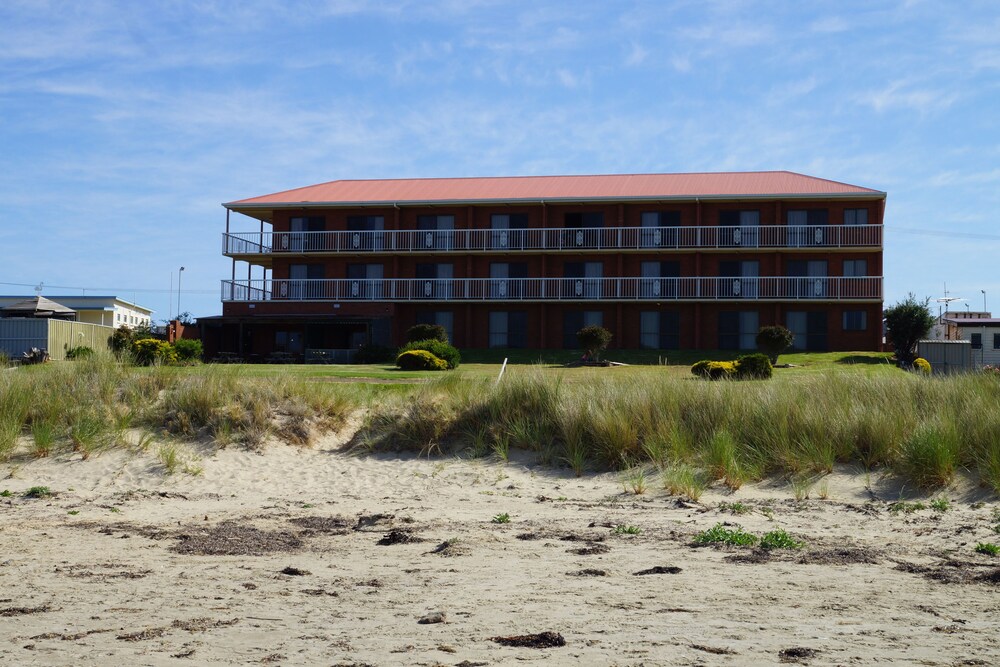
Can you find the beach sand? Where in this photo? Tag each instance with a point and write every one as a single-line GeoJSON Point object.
{"type": "Point", "coordinates": [311, 556]}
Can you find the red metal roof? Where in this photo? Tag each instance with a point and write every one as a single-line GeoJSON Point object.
{"type": "Point", "coordinates": [554, 188]}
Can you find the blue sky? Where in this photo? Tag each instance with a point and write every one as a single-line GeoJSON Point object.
{"type": "Point", "coordinates": [124, 125]}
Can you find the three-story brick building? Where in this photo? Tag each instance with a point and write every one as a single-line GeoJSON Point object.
{"type": "Point", "coordinates": [665, 261]}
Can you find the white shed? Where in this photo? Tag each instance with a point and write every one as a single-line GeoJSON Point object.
{"type": "Point", "coordinates": [984, 335]}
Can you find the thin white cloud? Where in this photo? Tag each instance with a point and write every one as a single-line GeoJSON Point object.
{"type": "Point", "coordinates": [637, 55]}
{"type": "Point", "coordinates": [901, 95]}
{"type": "Point", "coordinates": [830, 24]}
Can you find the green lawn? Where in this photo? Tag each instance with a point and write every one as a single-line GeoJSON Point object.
{"type": "Point", "coordinates": [486, 363]}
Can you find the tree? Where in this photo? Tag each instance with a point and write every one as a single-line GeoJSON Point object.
{"type": "Point", "coordinates": [907, 322]}
{"type": "Point", "coordinates": [592, 340]}
{"type": "Point", "coordinates": [772, 341]}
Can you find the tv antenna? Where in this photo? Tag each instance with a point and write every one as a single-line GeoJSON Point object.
{"type": "Point", "coordinates": [946, 300]}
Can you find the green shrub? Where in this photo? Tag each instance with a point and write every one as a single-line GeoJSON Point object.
{"type": "Point", "coordinates": [188, 349]}
{"type": "Point", "coordinates": [748, 367]}
{"type": "Point", "coordinates": [987, 548]}
{"type": "Point", "coordinates": [420, 332]}
{"type": "Point", "coordinates": [79, 352]}
{"type": "Point", "coordinates": [753, 367]}
{"type": "Point", "coordinates": [148, 351]}
{"type": "Point", "coordinates": [772, 341]}
{"type": "Point", "coordinates": [922, 366]}
{"type": "Point", "coordinates": [449, 353]}
{"type": "Point", "coordinates": [714, 370]}
{"type": "Point", "coordinates": [779, 539]}
{"type": "Point", "coordinates": [720, 534]}
{"type": "Point", "coordinates": [420, 360]}
{"type": "Point", "coordinates": [121, 340]}
{"type": "Point", "coordinates": [374, 354]}
{"type": "Point", "coordinates": [592, 340]}
{"type": "Point", "coordinates": [907, 322]}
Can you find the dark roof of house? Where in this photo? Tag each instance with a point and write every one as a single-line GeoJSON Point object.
{"type": "Point", "coordinates": [37, 306]}
{"type": "Point", "coordinates": [974, 321]}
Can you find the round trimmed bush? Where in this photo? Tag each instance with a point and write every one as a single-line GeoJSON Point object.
{"type": "Point", "coordinates": [753, 367]}
{"type": "Point", "coordinates": [188, 349]}
{"type": "Point", "coordinates": [714, 370]}
{"type": "Point", "coordinates": [772, 341]}
{"type": "Point", "coordinates": [445, 351]}
{"type": "Point", "coordinates": [922, 366]}
{"type": "Point", "coordinates": [420, 360]}
{"type": "Point", "coordinates": [148, 351]}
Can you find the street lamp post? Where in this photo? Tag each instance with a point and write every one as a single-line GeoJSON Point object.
{"type": "Point", "coordinates": [179, 292]}
{"type": "Point", "coordinates": [984, 302]}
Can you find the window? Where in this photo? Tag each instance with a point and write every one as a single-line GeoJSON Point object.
{"type": "Point", "coordinates": [740, 228]}
{"type": "Point", "coordinates": [855, 268]}
{"type": "Point", "coordinates": [996, 341]}
{"type": "Point", "coordinates": [365, 281]}
{"type": "Point", "coordinates": [855, 216]}
{"type": "Point", "coordinates": [587, 219]}
{"type": "Point", "coordinates": [583, 229]}
{"type": "Point", "coordinates": [508, 329]}
{"type": "Point", "coordinates": [659, 229]}
{"type": "Point", "coordinates": [435, 281]}
{"type": "Point", "coordinates": [574, 320]}
{"type": "Point", "coordinates": [806, 227]}
{"type": "Point", "coordinates": [659, 280]}
{"type": "Point", "coordinates": [304, 234]}
{"type": "Point", "coordinates": [367, 232]}
{"type": "Point", "coordinates": [507, 280]}
{"type": "Point", "coordinates": [444, 318]}
{"type": "Point", "coordinates": [738, 279]}
{"type": "Point", "coordinates": [811, 283]}
{"type": "Point", "coordinates": [582, 280]}
{"type": "Point", "coordinates": [303, 282]}
{"type": "Point", "coordinates": [977, 341]}
{"type": "Point", "coordinates": [855, 320]}
{"type": "Point", "coordinates": [437, 231]}
{"type": "Point", "coordinates": [738, 330]}
{"type": "Point", "coordinates": [809, 329]}
{"type": "Point", "coordinates": [659, 330]}
{"type": "Point", "coordinates": [508, 230]}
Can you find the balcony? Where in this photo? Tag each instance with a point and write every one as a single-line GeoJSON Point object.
{"type": "Point", "coordinates": [479, 290]}
{"type": "Point", "coordinates": [249, 244]}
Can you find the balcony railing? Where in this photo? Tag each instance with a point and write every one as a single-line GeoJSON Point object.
{"type": "Point", "coordinates": [534, 240]}
{"type": "Point", "coordinates": [555, 289]}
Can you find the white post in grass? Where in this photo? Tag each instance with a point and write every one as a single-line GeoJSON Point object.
{"type": "Point", "coordinates": [502, 369]}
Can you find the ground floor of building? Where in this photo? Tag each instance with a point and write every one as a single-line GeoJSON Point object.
{"type": "Point", "coordinates": [266, 334]}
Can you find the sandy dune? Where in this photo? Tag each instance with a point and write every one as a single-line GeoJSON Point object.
{"type": "Point", "coordinates": [310, 556]}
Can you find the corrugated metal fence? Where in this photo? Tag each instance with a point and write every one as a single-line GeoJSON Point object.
{"type": "Point", "coordinates": [18, 335]}
{"type": "Point", "coordinates": [947, 356]}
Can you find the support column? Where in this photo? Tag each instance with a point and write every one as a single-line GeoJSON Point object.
{"type": "Point", "coordinates": [543, 326]}
{"type": "Point", "coordinates": [468, 326]}
{"type": "Point", "coordinates": [698, 343]}
{"type": "Point", "coordinates": [618, 325]}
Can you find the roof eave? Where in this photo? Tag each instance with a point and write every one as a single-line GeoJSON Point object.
{"type": "Point", "coordinates": [243, 207]}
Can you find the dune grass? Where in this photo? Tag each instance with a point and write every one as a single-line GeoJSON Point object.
{"type": "Point", "coordinates": [89, 405]}
{"type": "Point", "coordinates": [735, 432]}
{"type": "Point", "coordinates": [648, 423]}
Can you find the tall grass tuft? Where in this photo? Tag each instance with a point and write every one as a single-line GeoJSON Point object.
{"type": "Point", "coordinates": [684, 480]}
{"type": "Point", "coordinates": [930, 454]}
{"type": "Point", "coordinates": [43, 434]}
